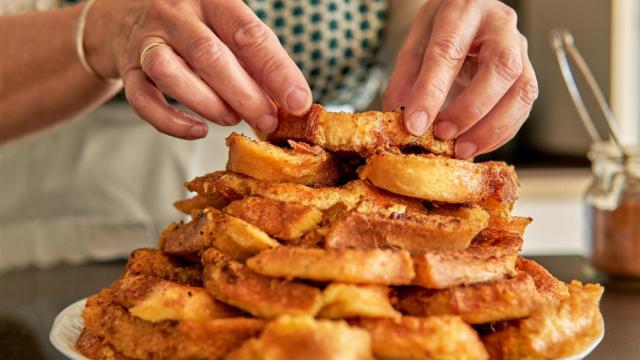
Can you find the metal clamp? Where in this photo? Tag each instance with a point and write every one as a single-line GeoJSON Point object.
{"type": "Point", "coordinates": [563, 44]}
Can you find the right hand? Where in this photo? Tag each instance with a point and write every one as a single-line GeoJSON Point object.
{"type": "Point", "coordinates": [219, 60]}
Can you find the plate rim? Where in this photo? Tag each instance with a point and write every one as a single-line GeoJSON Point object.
{"type": "Point", "coordinates": [58, 332]}
{"type": "Point", "coordinates": [74, 310]}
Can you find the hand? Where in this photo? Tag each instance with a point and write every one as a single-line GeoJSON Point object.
{"type": "Point", "coordinates": [217, 58]}
{"type": "Point", "coordinates": [498, 98]}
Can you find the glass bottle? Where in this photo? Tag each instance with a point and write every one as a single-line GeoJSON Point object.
{"type": "Point", "coordinates": [613, 205]}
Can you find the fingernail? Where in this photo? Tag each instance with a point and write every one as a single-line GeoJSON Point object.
{"type": "Point", "coordinates": [417, 123]}
{"type": "Point", "coordinates": [298, 100]}
{"type": "Point", "coordinates": [198, 131]}
{"type": "Point", "coordinates": [465, 149]}
{"type": "Point", "coordinates": [267, 123]}
{"type": "Point", "coordinates": [446, 130]}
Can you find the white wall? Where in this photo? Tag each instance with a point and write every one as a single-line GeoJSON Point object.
{"type": "Point", "coordinates": [555, 125]}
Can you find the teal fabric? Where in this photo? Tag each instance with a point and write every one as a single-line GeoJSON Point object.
{"type": "Point", "coordinates": [333, 42]}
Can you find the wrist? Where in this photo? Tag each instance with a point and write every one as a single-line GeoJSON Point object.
{"type": "Point", "coordinates": [96, 40]}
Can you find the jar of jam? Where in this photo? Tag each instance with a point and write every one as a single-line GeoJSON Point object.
{"type": "Point", "coordinates": [613, 207]}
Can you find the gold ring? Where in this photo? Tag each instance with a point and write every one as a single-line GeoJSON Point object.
{"type": "Point", "coordinates": [148, 48]}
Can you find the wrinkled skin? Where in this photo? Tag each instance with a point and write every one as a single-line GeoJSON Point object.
{"type": "Point", "coordinates": [224, 64]}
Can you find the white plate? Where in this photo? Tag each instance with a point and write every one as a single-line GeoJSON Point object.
{"type": "Point", "coordinates": [68, 325]}
{"type": "Point", "coordinates": [66, 329]}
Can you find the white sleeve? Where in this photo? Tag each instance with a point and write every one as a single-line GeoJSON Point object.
{"type": "Point", "coordinates": [8, 7]}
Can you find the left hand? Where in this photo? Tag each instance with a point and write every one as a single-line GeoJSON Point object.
{"type": "Point", "coordinates": [497, 100]}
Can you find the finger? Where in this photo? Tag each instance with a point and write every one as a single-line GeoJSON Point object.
{"type": "Point", "coordinates": [499, 66]}
{"type": "Point", "coordinates": [409, 59]}
{"type": "Point", "coordinates": [500, 143]}
{"type": "Point", "coordinates": [147, 101]}
{"type": "Point", "coordinates": [208, 56]}
{"type": "Point", "coordinates": [454, 28]}
{"type": "Point", "coordinates": [504, 120]}
{"type": "Point", "coordinates": [172, 77]}
{"type": "Point", "coordinates": [255, 44]}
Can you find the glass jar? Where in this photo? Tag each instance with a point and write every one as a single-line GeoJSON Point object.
{"type": "Point", "coordinates": [613, 207]}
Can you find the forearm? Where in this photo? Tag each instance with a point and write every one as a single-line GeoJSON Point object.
{"type": "Point", "coordinates": [42, 79]}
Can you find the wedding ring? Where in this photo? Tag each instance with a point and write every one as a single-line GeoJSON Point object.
{"type": "Point", "coordinates": [147, 49]}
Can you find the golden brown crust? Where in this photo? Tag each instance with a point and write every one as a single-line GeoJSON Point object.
{"type": "Point", "coordinates": [362, 133]}
{"type": "Point", "coordinates": [505, 299]}
{"type": "Point", "coordinates": [503, 182]}
{"type": "Point", "coordinates": [491, 256]}
{"type": "Point", "coordinates": [552, 331]}
{"type": "Point", "coordinates": [342, 301]}
{"type": "Point", "coordinates": [415, 232]}
{"type": "Point", "coordinates": [303, 338]}
{"type": "Point", "coordinates": [551, 289]}
{"type": "Point", "coordinates": [436, 178]}
{"type": "Point", "coordinates": [371, 199]}
{"type": "Point", "coordinates": [234, 283]}
{"type": "Point", "coordinates": [188, 240]}
{"type": "Point", "coordinates": [96, 347]}
{"type": "Point", "coordinates": [282, 220]}
{"type": "Point", "coordinates": [140, 339]}
{"type": "Point", "coordinates": [224, 187]}
{"type": "Point", "coordinates": [154, 300]}
{"type": "Point", "coordinates": [155, 263]}
{"type": "Point", "coordinates": [413, 338]}
{"type": "Point", "coordinates": [229, 186]}
{"type": "Point", "coordinates": [373, 266]}
{"type": "Point", "coordinates": [264, 161]}
{"type": "Point", "coordinates": [514, 224]}
{"type": "Point", "coordinates": [210, 227]}
{"type": "Point", "coordinates": [186, 206]}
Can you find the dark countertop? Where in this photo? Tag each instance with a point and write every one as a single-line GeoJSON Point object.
{"type": "Point", "coordinates": [30, 299]}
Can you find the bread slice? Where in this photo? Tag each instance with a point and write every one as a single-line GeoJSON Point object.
{"type": "Point", "coordinates": [436, 178]}
{"type": "Point", "coordinates": [514, 224]}
{"type": "Point", "coordinates": [415, 232]}
{"type": "Point", "coordinates": [374, 266]}
{"type": "Point", "coordinates": [198, 202]}
{"type": "Point", "coordinates": [304, 338]}
{"type": "Point", "coordinates": [155, 300]}
{"type": "Point", "coordinates": [361, 133]}
{"type": "Point", "coordinates": [282, 220]}
{"type": "Point", "coordinates": [491, 256]}
{"type": "Point", "coordinates": [210, 227]}
{"type": "Point", "coordinates": [234, 283]}
{"type": "Point", "coordinates": [140, 339]}
{"type": "Point", "coordinates": [264, 161]}
{"type": "Point", "coordinates": [415, 338]}
{"type": "Point", "coordinates": [553, 331]}
{"type": "Point", "coordinates": [504, 299]}
{"type": "Point", "coordinates": [224, 187]}
{"type": "Point", "coordinates": [371, 199]}
{"type": "Point", "coordinates": [343, 301]}
{"type": "Point", "coordinates": [156, 263]}
{"type": "Point", "coordinates": [550, 288]}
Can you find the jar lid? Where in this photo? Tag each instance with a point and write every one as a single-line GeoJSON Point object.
{"type": "Point", "coordinates": [610, 150]}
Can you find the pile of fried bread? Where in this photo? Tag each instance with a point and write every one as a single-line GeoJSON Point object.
{"type": "Point", "coordinates": [342, 236]}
